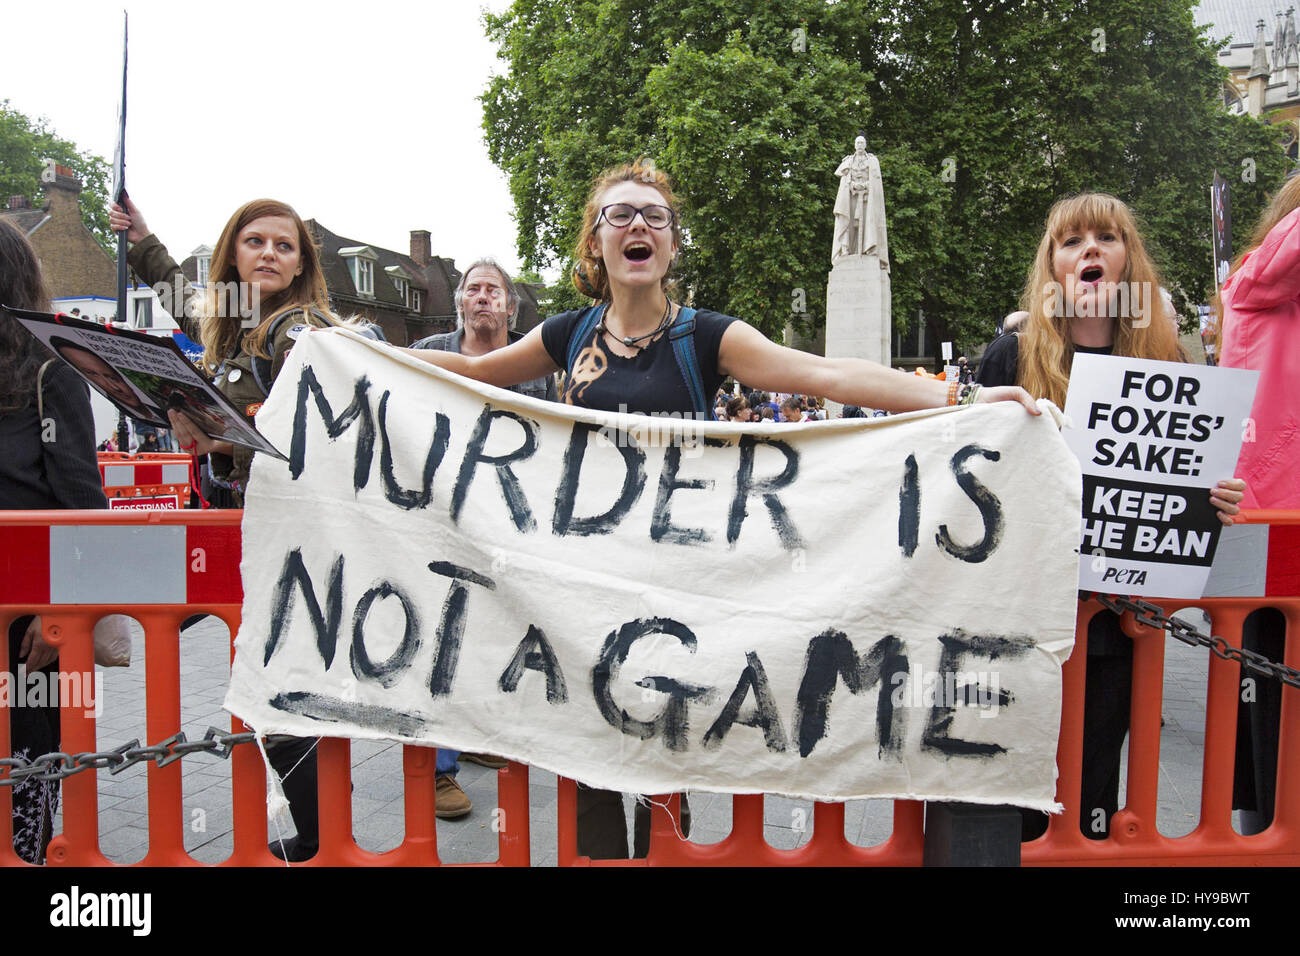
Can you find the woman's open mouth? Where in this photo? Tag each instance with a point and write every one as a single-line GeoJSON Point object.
{"type": "Point", "coordinates": [1091, 274]}
{"type": "Point", "coordinates": [637, 252]}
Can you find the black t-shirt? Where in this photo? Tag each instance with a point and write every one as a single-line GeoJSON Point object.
{"type": "Point", "coordinates": [999, 364]}
{"type": "Point", "coordinates": [998, 367]}
{"type": "Point", "coordinates": [649, 382]}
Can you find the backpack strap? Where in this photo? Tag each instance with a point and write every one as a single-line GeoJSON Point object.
{"type": "Point", "coordinates": [262, 366]}
{"type": "Point", "coordinates": [587, 322]}
{"type": "Point", "coordinates": [682, 337]}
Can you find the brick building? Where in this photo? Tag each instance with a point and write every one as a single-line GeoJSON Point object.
{"type": "Point", "coordinates": [408, 296]}
{"type": "Point", "coordinates": [75, 265]}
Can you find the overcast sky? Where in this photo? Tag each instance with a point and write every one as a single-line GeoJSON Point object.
{"type": "Point", "coordinates": [361, 115]}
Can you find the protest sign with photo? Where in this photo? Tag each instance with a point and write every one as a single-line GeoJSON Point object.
{"type": "Point", "coordinates": [144, 375]}
{"type": "Point", "coordinates": [867, 607]}
{"type": "Point", "coordinates": [1153, 438]}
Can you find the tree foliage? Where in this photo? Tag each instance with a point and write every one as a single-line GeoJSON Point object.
{"type": "Point", "coordinates": [25, 144]}
{"type": "Point", "coordinates": [982, 113]}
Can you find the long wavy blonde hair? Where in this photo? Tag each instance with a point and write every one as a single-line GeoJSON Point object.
{"type": "Point", "coordinates": [1144, 330]}
{"type": "Point", "coordinates": [220, 324]}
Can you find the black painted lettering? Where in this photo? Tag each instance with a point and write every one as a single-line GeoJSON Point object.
{"type": "Point", "coordinates": [326, 625]}
{"type": "Point", "coordinates": [989, 506]}
{"type": "Point", "coordinates": [388, 671]}
{"type": "Point", "coordinates": [830, 657]}
{"type": "Point", "coordinates": [409, 499]}
{"type": "Point", "coordinates": [358, 411]}
{"type": "Point", "coordinates": [661, 525]}
{"type": "Point", "coordinates": [674, 717]}
{"type": "Point", "coordinates": [511, 490]}
{"type": "Point", "coordinates": [535, 653]}
{"type": "Point", "coordinates": [939, 725]}
{"type": "Point", "coordinates": [672, 720]}
{"type": "Point", "coordinates": [764, 716]}
{"type": "Point", "coordinates": [767, 489]}
{"type": "Point", "coordinates": [909, 508]}
{"type": "Point", "coordinates": [563, 521]}
{"type": "Point", "coordinates": [451, 626]}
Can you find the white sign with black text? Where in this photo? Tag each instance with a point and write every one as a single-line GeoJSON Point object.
{"type": "Point", "coordinates": [1153, 438]}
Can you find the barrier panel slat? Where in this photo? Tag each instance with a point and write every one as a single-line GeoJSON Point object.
{"type": "Point", "coordinates": [209, 583]}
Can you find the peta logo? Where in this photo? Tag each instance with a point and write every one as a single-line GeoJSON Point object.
{"type": "Point", "coordinates": [102, 909]}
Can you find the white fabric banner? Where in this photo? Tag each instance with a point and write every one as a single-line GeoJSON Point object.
{"type": "Point", "coordinates": [857, 608]}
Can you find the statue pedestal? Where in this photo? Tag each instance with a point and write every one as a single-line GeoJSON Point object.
{"type": "Point", "coordinates": [858, 321]}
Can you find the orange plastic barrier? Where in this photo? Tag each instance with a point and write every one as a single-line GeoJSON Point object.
{"type": "Point", "coordinates": [208, 546]}
{"type": "Point", "coordinates": [161, 480]}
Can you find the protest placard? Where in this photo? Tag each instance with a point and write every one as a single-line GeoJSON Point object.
{"type": "Point", "coordinates": [868, 607]}
{"type": "Point", "coordinates": [1152, 438]}
{"type": "Point", "coordinates": [144, 375]}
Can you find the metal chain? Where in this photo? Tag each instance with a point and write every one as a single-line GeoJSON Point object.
{"type": "Point", "coordinates": [1153, 616]}
{"type": "Point", "coordinates": [57, 766]}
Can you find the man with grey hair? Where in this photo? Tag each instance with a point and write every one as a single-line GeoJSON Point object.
{"type": "Point", "coordinates": [487, 304]}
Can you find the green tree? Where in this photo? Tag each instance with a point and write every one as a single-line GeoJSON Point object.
{"type": "Point", "coordinates": [982, 113]}
{"type": "Point", "coordinates": [25, 144]}
{"type": "Point", "coordinates": [1011, 105]}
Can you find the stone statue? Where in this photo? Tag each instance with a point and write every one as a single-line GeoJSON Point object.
{"type": "Point", "coordinates": [860, 208]}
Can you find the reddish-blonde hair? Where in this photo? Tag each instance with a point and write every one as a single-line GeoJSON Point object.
{"type": "Point", "coordinates": [589, 275]}
{"type": "Point", "coordinates": [1146, 330]}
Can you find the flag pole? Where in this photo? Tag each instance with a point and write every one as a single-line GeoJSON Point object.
{"type": "Point", "coordinates": [119, 197]}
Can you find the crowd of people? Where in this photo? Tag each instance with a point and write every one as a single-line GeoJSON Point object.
{"type": "Point", "coordinates": [741, 405]}
{"type": "Point", "coordinates": [638, 348]}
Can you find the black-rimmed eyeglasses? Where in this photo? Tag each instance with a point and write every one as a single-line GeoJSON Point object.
{"type": "Point", "coordinates": [621, 214]}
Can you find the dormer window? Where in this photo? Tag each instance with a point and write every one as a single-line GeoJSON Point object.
{"type": "Point", "coordinates": [202, 265]}
{"type": "Point", "coordinates": [402, 283]}
{"type": "Point", "coordinates": [361, 263]}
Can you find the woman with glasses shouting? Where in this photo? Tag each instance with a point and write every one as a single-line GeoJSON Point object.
{"type": "Point", "coordinates": [636, 350]}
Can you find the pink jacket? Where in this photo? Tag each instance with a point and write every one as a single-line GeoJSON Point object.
{"type": "Point", "coordinates": [1261, 330]}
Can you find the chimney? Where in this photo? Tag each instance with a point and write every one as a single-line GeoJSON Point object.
{"type": "Point", "coordinates": [421, 247]}
{"type": "Point", "coordinates": [59, 182]}
{"type": "Point", "coordinates": [19, 202]}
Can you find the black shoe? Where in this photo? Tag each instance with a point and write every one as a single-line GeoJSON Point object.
{"type": "Point", "coordinates": [292, 850]}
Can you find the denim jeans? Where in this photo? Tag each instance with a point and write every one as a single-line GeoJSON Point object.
{"type": "Point", "coordinates": [446, 762]}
